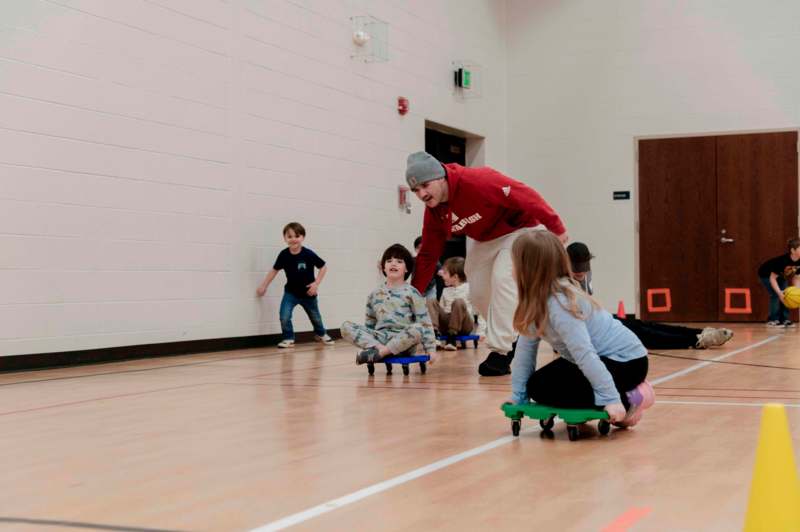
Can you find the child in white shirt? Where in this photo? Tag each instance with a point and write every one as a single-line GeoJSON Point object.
{"type": "Point", "coordinates": [454, 315]}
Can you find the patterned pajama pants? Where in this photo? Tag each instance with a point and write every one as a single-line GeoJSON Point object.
{"type": "Point", "coordinates": [396, 341]}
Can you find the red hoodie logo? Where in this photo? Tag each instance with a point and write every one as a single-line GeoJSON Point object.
{"type": "Point", "coordinates": [456, 227]}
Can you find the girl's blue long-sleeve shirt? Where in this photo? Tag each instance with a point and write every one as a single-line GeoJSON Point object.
{"type": "Point", "coordinates": [580, 341]}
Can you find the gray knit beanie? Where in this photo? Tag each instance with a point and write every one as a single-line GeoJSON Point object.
{"type": "Point", "coordinates": [423, 167]}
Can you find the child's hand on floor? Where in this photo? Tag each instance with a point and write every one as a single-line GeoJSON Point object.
{"type": "Point", "coordinates": [616, 412]}
{"type": "Point", "coordinates": [434, 357]}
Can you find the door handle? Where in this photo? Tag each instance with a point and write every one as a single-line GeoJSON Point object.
{"type": "Point", "coordinates": [726, 240]}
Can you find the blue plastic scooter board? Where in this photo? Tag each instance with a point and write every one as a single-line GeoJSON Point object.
{"type": "Point", "coordinates": [404, 361]}
{"type": "Point", "coordinates": [462, 339]}
{"type": "Point", "coordinates": [547, 414]}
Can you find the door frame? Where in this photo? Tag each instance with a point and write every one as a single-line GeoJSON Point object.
{"type": "Point", "coordinates": [476, 144]}
{"type": "Point", "coordinates": [636, 139]}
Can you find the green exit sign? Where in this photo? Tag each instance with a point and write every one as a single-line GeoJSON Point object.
{"type": "Point", "coordinates": [463, 78]}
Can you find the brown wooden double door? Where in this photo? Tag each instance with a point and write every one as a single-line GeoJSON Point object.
{"type": "Point", "coordinates": [711, 210]}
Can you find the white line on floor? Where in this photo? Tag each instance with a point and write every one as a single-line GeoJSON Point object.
{"type": "Point", "coordinates": [710, 361]}
{"type": "Point", "coordinates": [383, 486]}
{"type": "Point", "coordinates": [334, 504]}
{"type": "Point", "coordinates": [721, 403]}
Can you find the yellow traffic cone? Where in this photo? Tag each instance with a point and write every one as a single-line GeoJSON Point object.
{"type": "Point", "coordinates": [774, 504]}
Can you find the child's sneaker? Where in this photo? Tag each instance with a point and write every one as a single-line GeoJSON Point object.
{"type": "Point", "coordinates": [788, 323]}
{"type": "Point", "coordinates": [640, 398]}
{"type": "Point", "coordinates": [774, 323]}
{"type": "Point", "coordinates": [711, 337]}
{"type": "Point", "coordinates": [327, 340]}
{"type": "Point", "coordinates": [368, 356]}
{"type": "Point", "coordinates": [286, 343]}
{"type": "Point", "coordinates": [450, 347]}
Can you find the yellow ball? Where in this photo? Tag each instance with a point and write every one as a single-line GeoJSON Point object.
{"type": "Point", "coordinates": [791, 297]}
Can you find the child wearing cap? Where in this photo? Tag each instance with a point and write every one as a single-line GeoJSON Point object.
{"type": "Point", "coordinates": [581, 265]}
{"type": "Point", "coordinates": [653, 335]}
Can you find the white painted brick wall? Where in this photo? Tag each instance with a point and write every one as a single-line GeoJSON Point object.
{"type": "Point", "coordinates": [586, 78]}
{"type": "Point", "coordinates": [152, 150]}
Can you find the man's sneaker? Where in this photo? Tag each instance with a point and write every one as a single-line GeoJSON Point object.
{"type": "Point", "coordinates": [640, 398]}
{"type": "Point", "coordinates": [368, 356]}
{"type": "Point", "coordinates": [286, 343]}
{"type": "Point", "coordinates": [495, 365]}
{"type": "Point", "coordinates": [327, 340]}
{"type": "Point", "coordinates": [774, 323]}
{"type": "Point", "coordinates": [711, 337]}
{"type": "Point", "coordinates": [788, 323]}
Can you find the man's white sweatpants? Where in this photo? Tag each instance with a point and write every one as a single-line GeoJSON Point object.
{"type": "Point", "coordinates": [492, 290]}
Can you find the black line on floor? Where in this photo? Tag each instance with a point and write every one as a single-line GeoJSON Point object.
{"type": "Point", "coordinates": [346, 385]}
{"type": "Point", "coordinates": [142, 370]}
{"type": "Point", "coordinates": [760, 397]}
{"type": "Point", "coordinates": [76, 524]}
{"type": "Point", "coordinates": [699, 388]}
{"type": "Point", "coordinates": [711, 361]}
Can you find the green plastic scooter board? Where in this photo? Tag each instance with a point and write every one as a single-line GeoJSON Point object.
{"type": "Point", "coordinates": [547, 414]}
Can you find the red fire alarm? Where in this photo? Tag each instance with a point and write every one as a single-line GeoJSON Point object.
{"type": "Point", "coordinates": [402, 105]}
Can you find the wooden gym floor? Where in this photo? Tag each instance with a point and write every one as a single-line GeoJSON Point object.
{"type": "Point", "coordinates": [303, 437]}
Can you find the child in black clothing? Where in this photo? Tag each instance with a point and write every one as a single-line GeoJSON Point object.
{"type": "Point", "coordinates": [298, 263]}
{"type": "Point", "coordinates": [774, 274]}
{"type": "Point", "coordinates": [652, 334]}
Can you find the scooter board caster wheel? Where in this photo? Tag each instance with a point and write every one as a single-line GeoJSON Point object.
{"type": "Point", "coordinates": [547, 414]}
{"type": "Point", "coordinates": [405, 361]}
{"type": "Point", "coordinates": [573, 433]}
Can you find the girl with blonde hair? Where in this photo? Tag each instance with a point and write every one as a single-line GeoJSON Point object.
{"type": "Point", "coordinates": [601, 364]}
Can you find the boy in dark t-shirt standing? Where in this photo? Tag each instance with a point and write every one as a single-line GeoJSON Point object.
{"type": "Point", "coordinates": [298, 264]}
{"type": "Point", "coordinates": [775, 275]}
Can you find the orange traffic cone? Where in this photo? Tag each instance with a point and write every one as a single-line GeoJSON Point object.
{"type": "Point", "coordinates": [621, 310]}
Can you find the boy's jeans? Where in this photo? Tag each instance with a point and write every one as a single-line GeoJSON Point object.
{"type": "Point", "coordinates": [309, 304]}
{"type": "Point", "coordinates": [777, 312]}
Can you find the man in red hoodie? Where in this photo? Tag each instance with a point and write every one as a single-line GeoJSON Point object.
{"type": "Point", "coordinates": [491, 209]}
